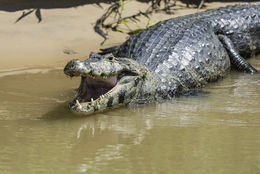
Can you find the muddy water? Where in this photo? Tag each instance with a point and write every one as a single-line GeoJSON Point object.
{"type": "Point", "coordinates": [215, 132]}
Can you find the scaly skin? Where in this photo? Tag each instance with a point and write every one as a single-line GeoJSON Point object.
{"type": "Point", "coordinates": [171, 57]}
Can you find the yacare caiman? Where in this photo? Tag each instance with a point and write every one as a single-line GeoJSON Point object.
{"type": "Point", "coordinates": [168, 59]}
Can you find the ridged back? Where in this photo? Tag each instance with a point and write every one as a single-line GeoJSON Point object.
{"type": "Point", "coordinates": [187, 48]}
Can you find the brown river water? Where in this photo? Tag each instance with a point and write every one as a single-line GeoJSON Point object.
{"type": "Point", "coordinates": [217, 131]}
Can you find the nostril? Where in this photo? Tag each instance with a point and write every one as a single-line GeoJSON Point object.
{"type": "Point", "coordinates": [70, 67]}
{"type": "Point", "coordinates": [72, 64]}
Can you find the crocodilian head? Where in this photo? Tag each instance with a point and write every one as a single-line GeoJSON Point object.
{"type": "Point", "coordinates": [108, 82]}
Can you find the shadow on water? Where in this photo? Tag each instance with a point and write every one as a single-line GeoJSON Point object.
{"type": "Point", "coordinates": [59, 112]}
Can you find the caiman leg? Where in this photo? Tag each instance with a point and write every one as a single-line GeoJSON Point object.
{"type": "Point", "coordinates": [236, 60]}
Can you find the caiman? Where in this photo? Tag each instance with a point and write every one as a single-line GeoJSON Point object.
{"type": "Point", "coordinates": [168, 59]}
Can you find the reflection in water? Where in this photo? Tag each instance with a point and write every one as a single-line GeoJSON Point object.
{"type": "Point", "coordinates": [214, 133]}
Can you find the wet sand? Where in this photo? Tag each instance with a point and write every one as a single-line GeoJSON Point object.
{"type": "Point", "coordinates": [29, 43]}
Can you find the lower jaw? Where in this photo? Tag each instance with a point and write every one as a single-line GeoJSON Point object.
{"type": "Point", "coordinates": [81, 109]}
{"type": "Point", "coordinates": [91, 108]}
{"type": "Point", "coordinates": [79, 112]}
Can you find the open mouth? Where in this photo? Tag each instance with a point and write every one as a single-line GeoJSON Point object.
{"type": "Point", "coordinates": [105, 83]}
{"type": "Point", "coordinates": [98, 93]}
{"type": "Point", "coordinates": [93, 88]}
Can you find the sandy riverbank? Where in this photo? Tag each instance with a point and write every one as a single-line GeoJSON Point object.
{"type": "Point", "coordinates": [29, 43]}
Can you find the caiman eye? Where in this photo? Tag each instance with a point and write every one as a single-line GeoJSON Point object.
{"type": "Point", "coordinates": [111, 58]}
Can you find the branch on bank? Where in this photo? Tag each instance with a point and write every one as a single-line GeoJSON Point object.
{"type": "Point", "coordinates": [117, 8]}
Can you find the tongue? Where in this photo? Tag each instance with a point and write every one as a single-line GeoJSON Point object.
{"type": "Point", "coordinates": [98, 87]}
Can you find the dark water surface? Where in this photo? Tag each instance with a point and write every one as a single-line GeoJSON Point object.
{"type": "Point", "coordinates": [215, 132]}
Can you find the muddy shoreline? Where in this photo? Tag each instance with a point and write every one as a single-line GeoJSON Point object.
{"type": "Point", "coordinates": [62, 33]}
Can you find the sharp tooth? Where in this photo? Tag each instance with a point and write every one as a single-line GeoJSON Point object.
{"type": "Point", "coordinates": [78, 104]}
{"type": "Point", "coordinates": [92, 102]}
{"type": "Point", "coordinates": [102, 96]}
{"type": "Point", "coordinates": [98, 106]}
